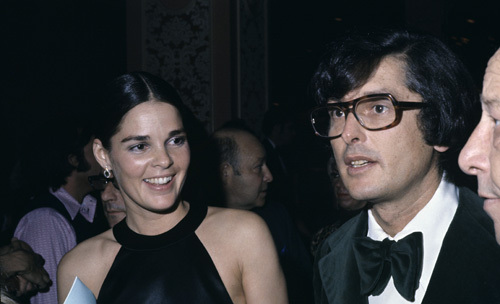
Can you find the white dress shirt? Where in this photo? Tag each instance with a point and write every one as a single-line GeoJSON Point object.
{"type": "Point", "coordinates": [433, 221]}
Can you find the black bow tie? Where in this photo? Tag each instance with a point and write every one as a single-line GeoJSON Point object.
{"type": "Point", "coordinates": [377, 261]}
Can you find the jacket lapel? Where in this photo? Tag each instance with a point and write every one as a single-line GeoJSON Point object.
{"type": "Point", "coordinates": [468, 267]}
{"type": "Point", "coordinates": [337, 267]}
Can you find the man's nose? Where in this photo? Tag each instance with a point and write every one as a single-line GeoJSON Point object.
{"type": "Point", "coordinates": [268, 176]}
{"type": "Point", "coordinates": [108, 194]}
{"type": "Point", "coordinates": [474, 155]}
{"type": "Point", "coordinates": [353, 131]}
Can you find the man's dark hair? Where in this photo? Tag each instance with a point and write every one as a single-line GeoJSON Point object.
{"type": "Point", "coordinates": [225, 147]}
{"type": "Point", "coordinates": [46, 164]}
{"type": "Point", "coordinates": [432, 70]}
{"type": "Point", "coordinates": [221, 147]}
{"type": "Point", "coordinates": [218, 149]}
{"type": "Point", "coordinates": [69, 140]}
{"type": "Point", "coordinates": [226, 151]}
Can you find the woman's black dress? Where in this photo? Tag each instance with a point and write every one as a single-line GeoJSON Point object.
{"type": "Point", "coordinates": [173, 267]}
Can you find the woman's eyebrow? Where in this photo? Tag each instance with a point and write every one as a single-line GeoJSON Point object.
{"type": "Point", "coordinates": [135, 138]}
{"type": "Point", "coordinates": [146, 137]}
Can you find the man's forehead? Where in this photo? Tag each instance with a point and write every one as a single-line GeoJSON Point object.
{"type": "Point", "coordinates": [491, 82]}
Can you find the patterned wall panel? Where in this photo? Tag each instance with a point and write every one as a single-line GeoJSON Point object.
{"type": "Point", "coordinates": [176, 46]}
{"type": "Point", "coordinates": [253, 61]}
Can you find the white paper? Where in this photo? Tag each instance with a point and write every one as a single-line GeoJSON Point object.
{"type": "Point", "coordinates": [80, 294]}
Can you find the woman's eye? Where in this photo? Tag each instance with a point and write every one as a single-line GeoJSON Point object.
{"type": "Point", "coordinates": [497, 122]}
{"type": "Point", "coordinates": [177, 141]}
{"type": "Point", "coordinates": [138, 147]}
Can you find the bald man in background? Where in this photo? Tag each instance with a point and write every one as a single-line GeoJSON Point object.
{"type": "Point", "coordinates": [238, 177]}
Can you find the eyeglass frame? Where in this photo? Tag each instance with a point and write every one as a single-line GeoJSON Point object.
{"type": "Point", "coordinates": [106, 180]}
{"type": "Point", "coordinates": [349, 106]}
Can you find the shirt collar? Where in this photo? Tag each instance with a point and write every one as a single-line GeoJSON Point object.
{"type": "Point", "coordinates": [86, 208]}
{"type": "Point", "coordinates": [433, 221]}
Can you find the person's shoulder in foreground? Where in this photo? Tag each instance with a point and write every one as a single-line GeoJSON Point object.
{"type": "Point", "coordinates": [244, 239]}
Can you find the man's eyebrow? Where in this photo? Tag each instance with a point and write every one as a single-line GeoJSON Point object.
{"type": "Point", "coordinates": [261, 160]}
{"type": "Point", "coordinates": [371, 92]}
{"type": "Point", "coordinates": [489, 101]}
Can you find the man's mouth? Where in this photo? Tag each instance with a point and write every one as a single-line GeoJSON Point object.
{"type": "Point", "coordinates": [111, 207]}
{"type": "Point", "coordinates": [158, 180]}
{"type": "Point", "coordinates": [359, 163]}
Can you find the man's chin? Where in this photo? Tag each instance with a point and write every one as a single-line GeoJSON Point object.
{"type": "Point", "coordinates": [260, 203]}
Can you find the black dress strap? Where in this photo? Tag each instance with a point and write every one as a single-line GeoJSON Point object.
{"type": "Point", "coordinates": [134, 241]}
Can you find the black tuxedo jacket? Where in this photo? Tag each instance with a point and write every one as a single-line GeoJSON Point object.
{"type": "Point", "coordinates": [467, 269]}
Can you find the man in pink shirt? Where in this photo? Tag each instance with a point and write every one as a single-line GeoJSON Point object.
{"type": "Point", "coordinates": [63, 216]}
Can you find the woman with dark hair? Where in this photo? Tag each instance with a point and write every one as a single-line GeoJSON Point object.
{"type": "Point", "coordinates": [167, 250]}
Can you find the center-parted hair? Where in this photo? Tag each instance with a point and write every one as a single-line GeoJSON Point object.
{"type": "Point", "coordinates": [131, 89]}
{"type": "Point", "coordinates": [128, 91]}
{"type": "Point", "coordinates": [432, 70]}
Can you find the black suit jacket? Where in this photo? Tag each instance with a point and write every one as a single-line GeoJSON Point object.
{"type": "Point", "coordinates": [467, 269]}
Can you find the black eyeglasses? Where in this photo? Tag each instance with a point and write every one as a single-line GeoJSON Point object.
{"type": "Point", "coordinates": [373, 112]}
{"type": "Point", "coordinates": [99, 182]}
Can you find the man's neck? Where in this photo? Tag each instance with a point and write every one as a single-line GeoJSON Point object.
{"type": "Point", "coordinates": [76, 186]}
{"type": "Point", "coordinates": [393, 216]}
{"type": "Point", "coordinates": [73, 191]}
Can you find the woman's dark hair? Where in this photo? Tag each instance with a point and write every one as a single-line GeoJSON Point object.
{"type": "Point", "coordinates": [132, 89]}
{"type": "Point", "coordinates": [128, 91]}
{"type": "Point", "coordinates": [432, 70]}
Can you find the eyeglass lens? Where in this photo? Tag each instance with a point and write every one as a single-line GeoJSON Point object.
{"type": "Point", "coordinates": [371, 113]}
{"type": "Point", "coordinates": [101, 182]}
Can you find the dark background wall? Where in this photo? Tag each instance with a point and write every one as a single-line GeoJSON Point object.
{"type": "Point", "coordinates": [52, 55]}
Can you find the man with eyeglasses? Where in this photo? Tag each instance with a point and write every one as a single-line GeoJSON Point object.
{"type": "Point", "coordinates": [396, 108]}
{"type": "Point", "coordinates": [111, 198]}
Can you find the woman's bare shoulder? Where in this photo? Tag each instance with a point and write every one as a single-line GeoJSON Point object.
{"type": "Point", "coordinates": [93, 247]}
{"type": "Point", "coordinates": [235, 225]}
{"type": "Point", "coordinates": [244, 254]}
{"type": "Point", "coordinates": [89, 255]}
{"type": "Point", "coordinates": [222, 218]}
{"type": "Point", "coordinates": [89, 261]}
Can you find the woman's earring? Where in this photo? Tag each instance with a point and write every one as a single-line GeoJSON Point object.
{"type": "Point", "coordinates": [107, 173]}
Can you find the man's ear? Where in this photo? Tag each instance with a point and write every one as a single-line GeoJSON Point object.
{"type": "Point", "coordinates": [73, 160]}
{"type": "Point", "coordinates": [101, 154]}
{"type": "Point", "coordinates": [226, 172]}
{"type": "Point", "coordinates": [441, 148]}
